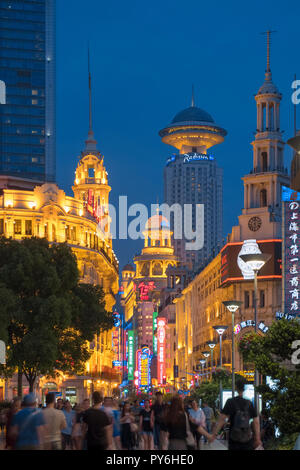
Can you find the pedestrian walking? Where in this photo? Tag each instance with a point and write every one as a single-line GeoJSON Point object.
{"type": "Point", "coordinates": [27, 427]}
{"type": "Point", "coordinates": [97, 425]}
{"type": "Point", "coordinates": [78, 435]}
{"type": "Point", "coordinates": [146, 425]}
{"type": "Point", "coordinates": [55, 422]}
{"type": "Point", "coordinates": [70, 416]}
{"type": "Point", "coordinates": [209, 416]}
{"type": "Point", "coordinates": [136, 409]}
{"type": "Point", "coordinates": [242, 436]}
{"type": "Point", "coordinates": [128, 427]}
{"type": "Point", "coordinates": [158, 410]}
{"type": "Point", "coordinates": [180, 436]}
{"type": "Point", "coordinates": [197, 418]}
{"type": "Point", "coordinates": [116, 426]}
{"type": "Point", "coordinates": [14, 409]}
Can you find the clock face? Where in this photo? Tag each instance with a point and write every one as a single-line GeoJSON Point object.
{"type": "Point", "coordinates": [254, 224]}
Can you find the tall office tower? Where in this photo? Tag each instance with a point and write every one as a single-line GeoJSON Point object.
{"type": "Point", "coordinates": [192, 176]}
{"type": "Point", "coordinates": [27, 106]}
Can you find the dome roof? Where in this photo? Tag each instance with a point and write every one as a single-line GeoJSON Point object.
{"type": "Point", "coordinates": [192, 114]}
{"type": "Point", "coordinates": [268, 87]}
{"type": "Point", "coordinates": [157, 222]}
{"type": "Point", "coordinates": [128, 267]}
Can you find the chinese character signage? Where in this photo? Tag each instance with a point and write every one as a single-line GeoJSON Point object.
{"type": "Point", "coordinates": [144, 372]}
{"type": "Point", "coordinates": [291, 244]}
{"type": "Point", "coordinates": [155, 315]}
{"type": "Point", "coordinates": [249, 323]}
{"type": "Point", "coordinates": [130, 355]}
{"type": "Point", "coordinates": [144, 289]}
{"type": "Point", "coordinates": [161, 349]}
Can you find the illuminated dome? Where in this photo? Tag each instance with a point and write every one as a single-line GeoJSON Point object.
{"type": "Point", "coordinates": [128, 267]}
{"type": "Point", "coordinates": [157, 222]}
{"type": "Point", "coordinates": [192, 114]}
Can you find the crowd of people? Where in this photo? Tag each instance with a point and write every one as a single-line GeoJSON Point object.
{"type": "Point", "coordinates": [110, 425]}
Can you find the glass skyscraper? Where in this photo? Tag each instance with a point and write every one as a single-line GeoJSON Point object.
{"type": "Point", "coordinates": [27, 79]}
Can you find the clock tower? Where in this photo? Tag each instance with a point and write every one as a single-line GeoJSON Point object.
{"type": "Point", "coordinates": [261, 216]}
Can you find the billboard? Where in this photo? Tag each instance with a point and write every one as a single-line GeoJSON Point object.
{"type": "Point", "coordinates": [161, 350]}
{"type": "Point", "coordinates": [131, 361]}
{"type": "Point", "coordinates": [231, 271]}
{"type": "Point", "coordinates": [291, 252]}
{"type": "Point", "coordinates": [144, 370]}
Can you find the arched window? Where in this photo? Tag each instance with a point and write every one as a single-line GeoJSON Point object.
{"type": "Point", "coordinates": [157, 269]}
{"type": "Point", "coordinates": [263, 198]}
{"type": "Point", "coordinates": [145, 269]}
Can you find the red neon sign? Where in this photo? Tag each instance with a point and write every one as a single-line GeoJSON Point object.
{"type": "Point", "coordinates": [145, 289]}
{"type": "Point", "coordinates": [161, 350]}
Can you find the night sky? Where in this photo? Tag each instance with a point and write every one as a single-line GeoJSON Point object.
{"type": "Point", "coordinates": [145, 56]}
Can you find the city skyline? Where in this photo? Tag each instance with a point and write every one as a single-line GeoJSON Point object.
{"type": "Point", "coordinates": [133, 99]}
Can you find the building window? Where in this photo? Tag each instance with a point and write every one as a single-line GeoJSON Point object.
{"type": "Point", "coordinates": [18, 227]}
{"type": "Point", "coordinates": [264, 161]}
{"type": "Point", "coordinates": [261, 298]}
{"type": "Point", "coordinates": [246, 299]}
{"type": "Point", "coordinates": [67, 232]}
{"type": "Point", "coordinates": [53, 233]}
{"type": "Point", "coordinates": [1, 226]}
{"type": "Point", "coordinates": [263, 198]}
{"type": "Point", "coordinates": [28, 227]}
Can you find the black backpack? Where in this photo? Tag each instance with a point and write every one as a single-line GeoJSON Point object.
{"type": "Point", "coordinates": [241, 430]}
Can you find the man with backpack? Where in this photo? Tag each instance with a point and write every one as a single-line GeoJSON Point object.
{"type": "Point", "coordinates": [242, 435]}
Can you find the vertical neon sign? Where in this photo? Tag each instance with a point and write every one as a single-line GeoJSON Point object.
{"type": "Point", "coordinates": [130, 355]}
{"type": "Point", "coordinates": [291, 242]}
{"type": "Point", "coordinates": [161, 350]}
{"type": "Point", "coordinates": [155, 315]}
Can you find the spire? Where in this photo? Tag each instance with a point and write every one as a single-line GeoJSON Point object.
{"type": "Point", "coordinates": [193, 97]}
{"type": "Point", "coordinates": [91, 143]}
{"type": "Point", "coordinates": [268, 69]}
{"type": "Point", "coordinates": [90, 91]}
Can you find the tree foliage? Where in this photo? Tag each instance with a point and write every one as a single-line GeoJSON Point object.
{"type": "Point", "coordinates": [272, 356]}
{"type": "Point", "coordinates": [209, 391]}
{"type": "Point", "coordinates": [46, 316]}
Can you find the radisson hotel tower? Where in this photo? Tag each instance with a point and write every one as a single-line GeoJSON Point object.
{"type": "Point", "coordinates": [192, 176]}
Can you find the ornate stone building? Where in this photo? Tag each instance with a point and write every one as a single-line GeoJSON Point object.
{"type": "Point", "coordinates": [200, 307]}
{"type": "Point", "coordinates": [83, 222]}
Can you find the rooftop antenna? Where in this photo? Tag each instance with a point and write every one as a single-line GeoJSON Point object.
{"type": "Point", "coordinates": [90, 90]}
{"type": "Point", "coordinates": [193, 97]}
{"type": "Point", "coordinates": [295, 114]}
{"type": "Point", "coordinates": [91, 143]}
{"type": "Point", "coordinates": [268, 34]}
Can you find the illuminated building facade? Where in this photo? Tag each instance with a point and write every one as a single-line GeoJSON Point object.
{"type": "Point", "coordinates": [81, 221]}
{"type": "Point", "coordinates": [200, 307]}
{"type": "Point", "coordinates": [27, 106]}
{"type": "Point", "coordinates": [142, 287]}
{"type": "Point", "coordinates": [192, 176]}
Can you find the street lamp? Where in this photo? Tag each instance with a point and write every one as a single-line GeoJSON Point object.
{"type": "Point", "coordinates": [220, 329]}
{"type": "Point", "coordinates": [211, 345]}
{"type": "Point", "coordinates": [206, 354]}
{"type": "Point", "coordinates": [202, 362]}
{"type": "Point", "coordinates": [232, 306]}
{"type": "Point", "coordinates": [256, 262]}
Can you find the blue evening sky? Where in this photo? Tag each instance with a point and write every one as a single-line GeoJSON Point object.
{"type": "Point", "coordinates": [145, 57]}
